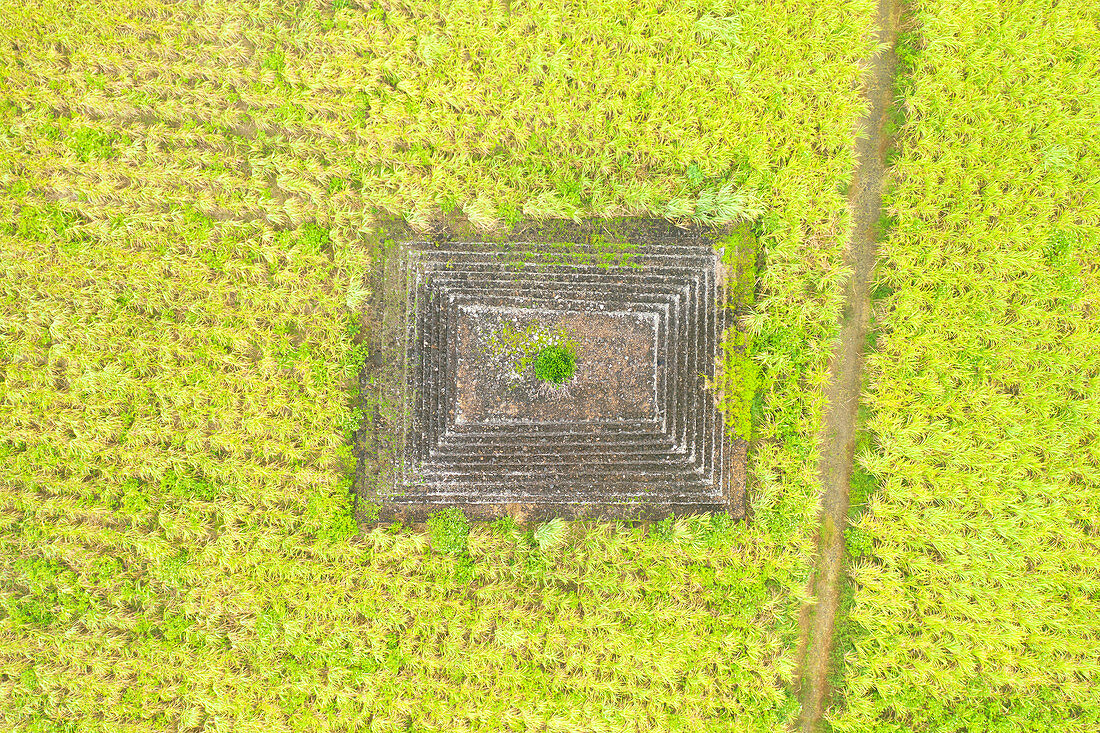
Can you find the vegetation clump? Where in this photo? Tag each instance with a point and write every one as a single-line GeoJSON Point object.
{"type": "Point", "coordinates": [551, 351]}
{"type": "Point", "coordinates": [555, 364]}
{"type": "Point", "coordinates": [449, 530]}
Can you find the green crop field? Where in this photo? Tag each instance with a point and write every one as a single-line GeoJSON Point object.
{"type": "Point", "coordinates": [186, 190]}
{"type": "Point", "coordinates": [977, 571]}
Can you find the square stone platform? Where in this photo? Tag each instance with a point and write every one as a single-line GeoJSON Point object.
{"type": "Point", "coordinates": [634, 434]}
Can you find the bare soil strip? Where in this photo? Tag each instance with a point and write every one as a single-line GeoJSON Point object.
{"type": "Point", "coordinates": [845, 367]}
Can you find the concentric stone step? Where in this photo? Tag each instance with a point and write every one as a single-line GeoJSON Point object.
{"type": "Point", "coordinates": [573, 287]}
{"type": "Point", "coordinates": [668, 296]}
{"type": "Point", "coordinates": [440, 352]}
{"type": "Point", "coordinates": [564, 492]}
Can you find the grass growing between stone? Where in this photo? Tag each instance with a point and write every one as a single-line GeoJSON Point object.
{"type": "Point", "coordinates": [975, 603]}
{"type": "Point", "coordinates": [184, 191]}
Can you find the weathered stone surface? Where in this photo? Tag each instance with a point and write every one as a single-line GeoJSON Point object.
{"type": "Point", "coordinates": [635, 432]}
{"type": "Point", "coordinates": [616, 378]}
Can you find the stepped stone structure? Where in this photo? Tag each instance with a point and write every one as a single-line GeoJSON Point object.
{"type": "Point", "coordinates": [635, 433]}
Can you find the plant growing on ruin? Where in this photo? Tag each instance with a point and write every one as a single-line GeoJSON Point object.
{"type": "Point", "coordinates": [522, 346]}
{"type": "Point", "coordinates": [555, 364]}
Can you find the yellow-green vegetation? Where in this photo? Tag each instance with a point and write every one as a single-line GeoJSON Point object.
{"type": "Point", "coordinates": [738, 381]}
{"type": "Point", "coordinates": [976, 591]}
{"type": "Point", "coordinates": [178, 366]}
{"type": "Point", "coordinates": [521, 346]}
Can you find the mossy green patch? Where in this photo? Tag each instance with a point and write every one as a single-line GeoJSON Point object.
{"type": "Point", "coordinates": [740, 376]}
{"type": "Point", "coordinates": [555, 364]}
{"type": "Point", "coordinates": [740, 250]}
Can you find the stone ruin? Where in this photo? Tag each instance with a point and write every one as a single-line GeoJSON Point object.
{"type": "Point", "coordinates": [458, 418]}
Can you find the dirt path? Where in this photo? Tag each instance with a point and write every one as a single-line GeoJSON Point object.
{"type": "Point", "coordinates": [845, 367]}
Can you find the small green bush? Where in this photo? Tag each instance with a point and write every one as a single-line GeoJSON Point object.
{"type": "Point", "coordinates": [555, 364]}
{"type": "Point", "coordinates": [449, 529]}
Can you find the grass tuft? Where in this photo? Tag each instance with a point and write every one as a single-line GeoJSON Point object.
{"type": "Point", "coordinates": [449, 530]}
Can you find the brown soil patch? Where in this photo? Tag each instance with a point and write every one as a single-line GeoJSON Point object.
{"type": "Point", "coordinates": [616, 373]}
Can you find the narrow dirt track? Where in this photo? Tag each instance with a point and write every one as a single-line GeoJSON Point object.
{"type": "Point", "coordinates": [845, 369]}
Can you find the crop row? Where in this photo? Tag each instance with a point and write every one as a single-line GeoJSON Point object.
{"type": "Point", "coordinates": [182, 246]}
{"type": "Point", "coordinates": [975, 603]}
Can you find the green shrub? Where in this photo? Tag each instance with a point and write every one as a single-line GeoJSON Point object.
{"type": "Point", "coordinates": [449, 529]}
{"type": "Point", "coordinates": [662, 530]}
{"type": "Point", "coordinates": [555, 364]}
{"type": "Point", "coordinates": [188, 487]}
{"type": "Point", "coordinates": [858, 542]}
